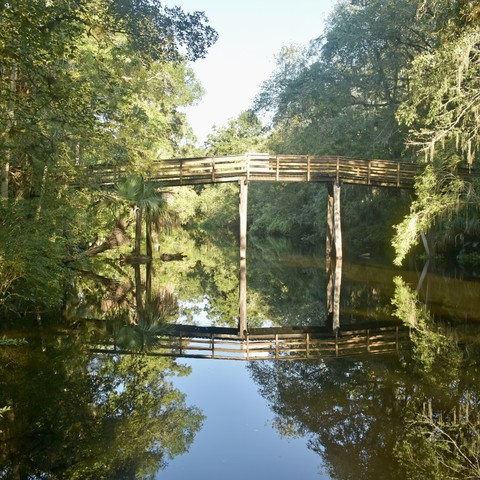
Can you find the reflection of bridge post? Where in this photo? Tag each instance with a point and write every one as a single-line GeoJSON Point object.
{"type": "Point", "coordinates": [334, 236]}
{"type": "Point", "coordinates": [333, 295]}
{"type": "Point", "coordinates": [243, 327]}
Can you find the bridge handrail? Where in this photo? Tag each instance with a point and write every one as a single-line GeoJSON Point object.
{"type": "Point", "coordinates": [276, 168]}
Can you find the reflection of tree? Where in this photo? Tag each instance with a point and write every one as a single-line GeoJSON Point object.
{"type": "Point", "coordinates": [292, 285]}
{"type": "Point", "coordinates": [348, 409]}
{"type": "Point", "coordinates": [414, 415]}
{"type": "Point", "coordinates": [74, 415]}
{"type": "Point", "coordinates": [442, 440]}
{"type": "Point", "coordinates": [152, 320]}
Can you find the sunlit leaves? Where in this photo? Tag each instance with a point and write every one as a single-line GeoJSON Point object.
{"type": "Point", "coordinates": [440, 196]}
{"type": "Point", "coordinates": [444, 107]}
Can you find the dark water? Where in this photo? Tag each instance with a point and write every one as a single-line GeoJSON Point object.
{"type": "Point", "coordinates": [72, 412]}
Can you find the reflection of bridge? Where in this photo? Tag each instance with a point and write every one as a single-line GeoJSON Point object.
{"type": "Point", "coordinates": [294, 343]}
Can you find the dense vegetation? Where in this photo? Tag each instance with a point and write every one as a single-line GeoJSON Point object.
{"type": "Point", "coordinates": [397, 80]}
{"type": "Point", "coordinates": [84, 84]}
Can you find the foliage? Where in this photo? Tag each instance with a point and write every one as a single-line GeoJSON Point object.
{"type": "Point", "coordinates": [341, 96]}
{"type": "Point", "coordinates": [73, 414]}
{"type": "Point", "coordinates": [294, 210]}
{"type": "Point", "coordinates": [432, 350]}
{"type": "Point", "coordinates": [442, 114]}
{"type": "Point", "coordinates": [428, 397]}
{"type": "Point", "coordinates": [443, 107]}
{"type": "Point", "coordinates": [288, 286]}
{"type": "Point", "coordinates": [341, 407]}
{"type": "Point", "coordinates": [386, 77]}
{"type": "Point", "coordinates": [12, 341]}
{"type": "Point", "coordinates": [440, 196]}
{"type": "Point", "coordinates": [436, 450]}
{"type": "Point", "coordinates": [443, 444]}
{"type": "Point", "coordinates": [242, 134]}
{"type": "Point", "coordinates": [83, 84]}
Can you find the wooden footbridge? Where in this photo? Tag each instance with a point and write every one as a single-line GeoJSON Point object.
{"type": "Point", "coordinates": [286, 343]}
{"type": "Point", "coordinates": [260, 167]}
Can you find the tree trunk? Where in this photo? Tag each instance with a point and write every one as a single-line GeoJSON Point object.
{"type": "Point", "coordinates": [148, 240]}
{"type": "Point", "coordinates": [138, 229]}
{"type": "Point", "coordinates": [42, 192]}
{"type": "Point", "coordinates": [117, 238]}
{"type": "Point", "coordinates": [138, 289]}
{"type": "Point", "coordinates": [5, 175]}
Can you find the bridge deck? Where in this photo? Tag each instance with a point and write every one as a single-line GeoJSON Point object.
{"type": "Point", "coordinates": [275, 168]}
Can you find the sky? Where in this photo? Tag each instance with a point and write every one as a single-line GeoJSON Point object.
{"type": "Point", "coordinates": [251, 33]}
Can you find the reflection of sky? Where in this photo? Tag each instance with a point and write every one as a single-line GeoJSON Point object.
{"type": "Point", "coordinates": [237, 440]}
{"type": "Point", "coordinates": [198, 314]}
{"type": "Point", "coordinates": [198, 309]}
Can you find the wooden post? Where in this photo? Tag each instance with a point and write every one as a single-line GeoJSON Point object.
{"type": "Point", "coordinates": [337, 224]}
{"type": "Point", "coordinates": [243, 327]}
{"type": "Point", "coordinates": [329, 239]}
{"type": "Point", "coordinates": [328, 255]}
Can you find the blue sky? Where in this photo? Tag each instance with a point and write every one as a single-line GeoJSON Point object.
{"type": "Point", "coordinates": [250, 32]}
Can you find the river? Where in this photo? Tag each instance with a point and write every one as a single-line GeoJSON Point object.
{"type": "Point", "coordinates": [75, 411]}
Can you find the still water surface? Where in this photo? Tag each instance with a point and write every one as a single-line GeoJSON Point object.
{"type": "Point", "coordinates": [413, 413]}
{"type": "Point", "coordinates": [238, 438]}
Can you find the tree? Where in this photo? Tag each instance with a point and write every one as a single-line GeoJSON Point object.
{"type": "Point", "coordinates": [84, 84]}
{"type": "Point", "coordinates": [442, 114]}
{"type": "Point", "coordinates": [442, 108]}
{"type": "Point", "coordinates": [69, 81]}
{"type": "Point", "coordinates": [242, 134]}
{"type": "Point", "coordinates": [341, 97]}
{"type": "Point", "coordinates": [441, 440]}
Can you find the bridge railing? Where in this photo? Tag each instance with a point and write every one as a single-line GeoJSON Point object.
{"type": "Point", "coordinates": [190, 171]}
{"type": "Point", "coordinates": [285, 168]}
{"type": "Point", "coordinates": [274, 168]}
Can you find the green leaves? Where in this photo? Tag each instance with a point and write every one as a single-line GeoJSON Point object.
{"type": "Point", "coordinates": [84, 84]}
{"type": "Point", "coordinates": [241, 135]}
{"type": "Point", "coordinates": [443, 110]}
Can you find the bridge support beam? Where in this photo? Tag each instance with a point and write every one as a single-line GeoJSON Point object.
{"type": "Point", "coordinates": [243, 326]}
{"type": "Point", "coordinates": [334, 222]}
{"type": "Point", "coordinates": [333, 296]}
